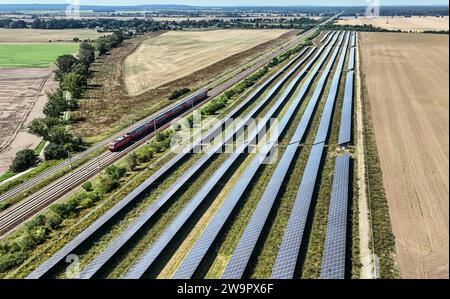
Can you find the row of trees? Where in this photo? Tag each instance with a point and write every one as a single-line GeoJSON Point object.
{"type": "Point", "coordinates": [146, 25]}
{"type": "Point", "coordinates": [72, 73]}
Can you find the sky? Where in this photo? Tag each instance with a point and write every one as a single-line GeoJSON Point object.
{"type": "Point", "coordinates": [231, 2]}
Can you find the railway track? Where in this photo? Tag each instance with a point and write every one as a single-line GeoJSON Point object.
{"type": "Point", "coordinates": [20, 212]}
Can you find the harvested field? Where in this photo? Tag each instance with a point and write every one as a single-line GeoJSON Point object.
{"type": "Point", "coordinates": [107, 107]}
{"type": "Point", "coordinates": [176, 54]}
{"type": "Point", "coordinates": [46, 35]}
{"type": "Point", "coordinates": [415, 23]}
{"type": "Point", "coordinates": [406, 77]}
{"type": "Point", "coordinates": [22, 97]}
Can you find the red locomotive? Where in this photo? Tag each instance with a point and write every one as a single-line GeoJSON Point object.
{"type": "Point", "coordinates": [158, 121]}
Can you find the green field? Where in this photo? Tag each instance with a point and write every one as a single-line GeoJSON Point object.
{"type": "Point", "coordinates": [33, 55]}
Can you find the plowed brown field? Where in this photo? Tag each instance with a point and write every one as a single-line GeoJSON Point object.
{"type": "Point", "coordinates": [407, 81]}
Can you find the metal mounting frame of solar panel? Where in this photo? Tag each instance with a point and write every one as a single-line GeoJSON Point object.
{"type": "Point", "coordinates": [351, 60]}
{"type": "Point", "coordinates": [345, 130]}
{"type": "Point", "coordinates": [333, 260]}
{"type": "Point", "coordinates": [155, 250]}
{"type": "Point", "coordinates": [243, 251]}
{"type": "Point", "coordinates": [126, 235]}
{"type": "Point", "coordinates": [200, 248]}
{"type": "Point", "coordinates": [215, 131]}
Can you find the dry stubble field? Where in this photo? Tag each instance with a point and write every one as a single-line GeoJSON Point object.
{"type": "Point", "coordinates": [414, 23]}
{"type": "Point", "coordinates": [22, 97]}
{"type": "Point", "coordinates": [407, 85]}
{"type": "Point", "coordinates": [176, 54]}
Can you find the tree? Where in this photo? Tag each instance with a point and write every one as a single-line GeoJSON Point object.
{"type": "Point", "coordinates": [102, 46]}
{"type": "Point", "coordinates": [55, 151]}
{"type": "Point", "coordinates": [86, 53]}
{"type": "Point", "coordinates": [56, 104]}
{"type": "Point", "coordinates": [64, 64]}
{"type": "Point", "coordinates": [73, 83]}
{"type": "Point", "coordinates": [60, 135]}
{"type": "Point", "coordinates": [41, 126]}
{"type": "Point", "coordinates": [24, 160]}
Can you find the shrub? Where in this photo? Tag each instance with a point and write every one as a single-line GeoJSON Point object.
{"type": "Point", "coordinates": [144, 154]}
{"type": "Point", "coordinates": [87, 203]}
{"type": "Point", "coordinates": [87, 186]}
{"type": "Point", "coordinates": [107, 184]}
{"type": "Point", "coordinates": [11, 260]}
{"type": "Point", "coordinates": [55, 151]}
{"type": "Point", "coordinates": [178, 93]}
{"type": "Point", "coordinates": [23, 160]}
{"type": "Point", "coordinates": [132, 161]}
{"type": "Point", "coordinates": [115, 172]}
{"type": "Point", "coordinates": [53, 220]}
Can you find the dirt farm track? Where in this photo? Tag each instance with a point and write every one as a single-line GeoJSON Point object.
{"type": "Point", "coordinates": [406, 77]}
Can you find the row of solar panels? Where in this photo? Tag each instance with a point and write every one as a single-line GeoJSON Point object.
{"type": "Point", "coordinates": [164, 239]}
{"type": "Point", "coordinates": [104, 219]}
{"type": "Point", "coordinates": [335, 247]}
{"type": "Point", "coordinates": [286, 262]}
{"type": "Point", "coordinates": [333, 259]}
{"type": "Point", "coordinates": [197, 253]}
{"type": "Point", "coordinates": [345, 130]}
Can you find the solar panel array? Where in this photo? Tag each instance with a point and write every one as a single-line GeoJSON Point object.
{"type": "Point", "coordinates": [351, 60]}
{"type": "Point", "coordinates": [333, 260]}
{"type": "Point", "coordinates": [345, 130]}
{"type": "Point", "coordinates": [322, 132]}
{"type": "Point", "coordinates": [78, 240]}
{"type": "Point", "coordinates": [139, 268]}
{"type": "Point", "coordinates": [286, 261]}
{"type": "Point", "coordinates": [199, 250]}
{"type": "Point", "coordinates": [243, 251]}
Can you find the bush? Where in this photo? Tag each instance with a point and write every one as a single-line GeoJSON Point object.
{"type": "Point", "coordinates": [144, 154]}
{"type": "Point", "coordinates": [87, 186]}
{"type": "Point", "coordinates": [132, 161]}
{"type": "Point", "coordinates": [23, 160]}
{"type": "Point", "coordinates": [114, 172]}
{"type": "Point", "coordinates": [55, 151]}
{"type": "Point", "coordinates": [86, 203]}
{"type": "Point", "coordinates": [53, 220]}
{"type": "Point", "coordinates": [11, 260]}
{"type": "Point", "coordinates": [178, 93]}
{"type": "Point", "coordinates": [107, 184]}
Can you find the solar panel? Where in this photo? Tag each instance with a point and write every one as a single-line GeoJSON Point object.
{"type": "Point", "coordinates": [351, 61]}
{"type": "Point", "coordinates": [333, 260]}
{"type": "Point", "coordinates": [345, 130]}
{"type": "Point", "coordinates": [324, 125]}
{"type": "Point", "coordinates": [325, 36]}
{"type": "Point", "coordinates": [139, 268]}
{"type": "Point", "coordinates": [286, 260]}
{"type": "Point", "coordinates": [243, 251]}
{"type": "Point", "coordinates": [353, 44]}
{"type": "Point", "coordinates": [72, 245]}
